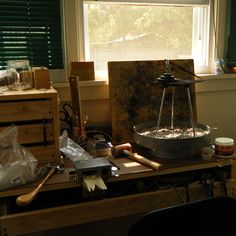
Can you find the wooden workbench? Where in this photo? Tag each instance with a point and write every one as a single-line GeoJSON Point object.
{"type": "Point", "coordinates": [64, 205]}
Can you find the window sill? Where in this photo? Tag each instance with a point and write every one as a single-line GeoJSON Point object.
{"type": "Point", "coordinates": [216, 83]}
{"type": "Point", "coordinates": [89, 90]}
{"type": "Point", "coordinates": [99, 89]}
{"type": "Point", "coordinates": [217, 77]}
{"type": "Point", "coordinates": [66, 84]}
{"type": "Point", "coordinates": [105, 82]}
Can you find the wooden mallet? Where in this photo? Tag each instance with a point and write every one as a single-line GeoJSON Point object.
{"type": "Point", "coordinates": [126, 148]}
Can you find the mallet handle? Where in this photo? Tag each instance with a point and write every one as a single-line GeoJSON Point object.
{"type": "Point", "coordinates": [26, 199]}
{"type": "Point", "coordinates": [143, 160]}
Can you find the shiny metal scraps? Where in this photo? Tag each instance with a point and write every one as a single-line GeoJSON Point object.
{"type": "Point", "coordinates": [176, 133]}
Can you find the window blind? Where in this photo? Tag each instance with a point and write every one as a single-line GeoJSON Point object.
{"type": "Point", "coordinates": [231, 52]}
{"type": "Point", "coordinates": [31, 30]}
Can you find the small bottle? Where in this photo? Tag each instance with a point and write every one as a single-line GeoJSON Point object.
{"type": "Point", "coordinates": [207, 153]}
{"type": "Point", "coordinates": [219, 66]}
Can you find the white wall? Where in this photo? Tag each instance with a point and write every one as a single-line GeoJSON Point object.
{"type": "Point", "coordinates": [216, 98]}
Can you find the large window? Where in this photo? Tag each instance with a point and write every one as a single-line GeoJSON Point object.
{"type": "Point", "coordinates": [120, 31]}
{"type": "Point", "coordinates": [31, 30]}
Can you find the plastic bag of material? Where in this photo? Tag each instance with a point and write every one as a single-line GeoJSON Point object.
{"type": "Point", "coordinates": [17, 164]}
{"type": "Point", "coordinates": [71, 149]}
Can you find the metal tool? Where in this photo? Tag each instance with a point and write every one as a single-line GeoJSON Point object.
{"type": "Point", "coordinates": [168, 80]}
{"type": "Point", "coordinates": [95, 166]}
{"type": "Point", "coordinates": [174, 141]}
{"type": "Point", "coordinates": [66, 114]}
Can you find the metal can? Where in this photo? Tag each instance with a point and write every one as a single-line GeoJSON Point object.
{"type": "Point", "coordinates": [224, 146]}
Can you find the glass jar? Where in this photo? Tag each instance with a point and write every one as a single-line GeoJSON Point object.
{"type": "Point", "coordinates": [224, 147]}
{"type": "Point", "coordinates": [19, 74]}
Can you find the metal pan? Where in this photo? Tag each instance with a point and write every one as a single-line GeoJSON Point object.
{"type": "Point", "coordinates": [172, 148]}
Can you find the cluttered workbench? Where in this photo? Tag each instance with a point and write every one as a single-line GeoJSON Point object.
{"type": "Point", "coordinates": [134, 188]}
{"type": "Point", "coordinates": [136, 182]}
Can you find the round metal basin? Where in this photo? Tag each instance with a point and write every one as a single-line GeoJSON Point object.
{"type": "Point", "coordinates": [172, 148]}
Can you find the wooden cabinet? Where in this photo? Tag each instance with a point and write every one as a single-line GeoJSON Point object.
{"type": "Point", "coordinates": [35, 112]}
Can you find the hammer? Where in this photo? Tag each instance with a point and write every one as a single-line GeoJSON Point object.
{"type": "Point", "coordinates": [126, 148]}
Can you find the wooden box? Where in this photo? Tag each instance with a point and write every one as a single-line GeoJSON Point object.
{"type": "Point", "coordinates": [35, 112]}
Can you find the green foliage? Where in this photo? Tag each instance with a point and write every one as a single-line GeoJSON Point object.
{"type": "Point", "coordinates": [167, 26]}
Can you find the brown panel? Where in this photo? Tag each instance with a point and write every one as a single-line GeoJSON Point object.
{"type": "Point", "coordinates": [134, 98]}
{"type": "Point", "coordinates": [33, 133]}
{"type": "Point", "coordinates": [85, 70]}
{"type": "Point", "coordinates": [29, 222]}
{"type": "Point", "coordinates": [25, 110]}
{"type": "Point", "coordinates": [44, 154]}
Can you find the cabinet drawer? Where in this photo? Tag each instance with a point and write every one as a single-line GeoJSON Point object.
{"type": "Point", "coordinates": [34, 133]}
{"type": "Point", "coordinates": [36, 114]}
{"type": "Point", "coordinates": [25, 110]}
{"type": "Point", "coordinates": [45, 154]}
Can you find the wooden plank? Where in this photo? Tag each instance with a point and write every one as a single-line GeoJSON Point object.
{"type": "Point", "coordinates": [27, 94]}
{"type": "Point", "coordinates": [25, 110]}
{"type": "Point", "coordinates": [135, 99]}
{"type": "Point", "coordinates": [44, 154]}
{"type": "Point", "coordinates": [33, 133]}
{"type": "Point", "coordinates": [63, 216]}
{"type": "Point", "coordinates": [76, 104]}
{"type": "Point", "coordinates": [128, 169]}
{"type": "Point", "coordinates": [74, 214]}
{"type": "Point", "coordinates": [56, 127]}
{"type": "Point", "coordinates": [85, 70]}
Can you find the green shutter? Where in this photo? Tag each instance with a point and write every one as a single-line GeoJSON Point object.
{"type": "Point", "coordinates": [231, 52]}
{"type": "Point", "coordinates": [31, 30]}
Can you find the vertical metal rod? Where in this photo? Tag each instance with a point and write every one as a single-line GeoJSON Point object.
{"type": "Point", "coordinates": [161, 106]}
{"type": "Point", "coordinates": [172, 108]}
{"type": "Point", "coordinates": [191, 111]}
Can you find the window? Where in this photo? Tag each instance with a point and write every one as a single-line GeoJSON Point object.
{"type": "Point", "coordinates": [31, 30]}
{"type": "Point", "coordinates": [231, 37]}
{"type": "Point", "coordinates": [150, 30]}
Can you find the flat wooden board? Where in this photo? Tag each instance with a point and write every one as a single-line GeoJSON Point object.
{"type": "Point", "coordinates": [135, 99]}
{"type": "Point", "coordinates": [85, 70]}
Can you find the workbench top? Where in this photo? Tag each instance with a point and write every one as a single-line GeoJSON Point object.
{"type": "Point", "coordinates": [127, 170]}
{"type": "Point", "coordinates": [62, 197]}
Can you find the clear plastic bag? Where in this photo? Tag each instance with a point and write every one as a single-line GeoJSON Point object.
{"type": "Point", "coordinates": [17, 164]}
{"type": "Point", "coordinates": [71, 149]}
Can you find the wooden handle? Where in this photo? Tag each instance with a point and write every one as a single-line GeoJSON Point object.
{"type": "Point", "coordinates": [76, 104]}
{"type": "Point", "coordinates": [143, 160]}
{"type": "Point", "coordinates": [26, 199]}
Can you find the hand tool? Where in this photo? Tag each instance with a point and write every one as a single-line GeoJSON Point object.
{"type": "Point", "coordinates": [76, 105]}
{"type": "Point", "coordinates": [126, 148]}
{"type": "Point", "coordinates": [26, 199]}
{"type": "Point", "coordinates": [66, 114]}
{"type": "Point", "coordinates": [95, 166]}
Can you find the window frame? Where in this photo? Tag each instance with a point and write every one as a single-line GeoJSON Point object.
{"type": "Point", "coordinates": [199, 16]}
{"type": "Point", "coordinates": [74, 33]}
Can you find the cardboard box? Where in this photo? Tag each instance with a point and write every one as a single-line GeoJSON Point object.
{"type": "Point", "coordinates": [42, 78]}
